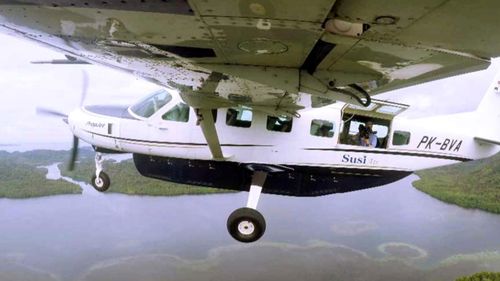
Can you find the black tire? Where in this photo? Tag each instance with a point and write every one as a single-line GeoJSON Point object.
{"type": "Point", "coordinates": [246, 225]}
{"type": "Point", "coordinates": [102, 184]}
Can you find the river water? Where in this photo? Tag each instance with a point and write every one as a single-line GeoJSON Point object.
{"type": "Point", "coordinates": [392, 232]}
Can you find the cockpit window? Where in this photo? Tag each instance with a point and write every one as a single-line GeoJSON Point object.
{"type": "Point", "coordinates": [148, 106]}
{"type": "Point", "coordinates": [179, 113]}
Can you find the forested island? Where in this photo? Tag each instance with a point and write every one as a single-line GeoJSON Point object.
{"type": "Point", "coordinates": [22, 175]}
{"type": "Point", "coordinates": [473, 184]}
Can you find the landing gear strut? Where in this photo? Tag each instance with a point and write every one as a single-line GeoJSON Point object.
{"type": "Point", "coordinates": [247, 224]}
{"type": "Point", "coordinates": [100, 180]}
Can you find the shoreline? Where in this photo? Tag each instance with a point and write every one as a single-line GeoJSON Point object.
{"type": "Point", "coordinates": [473, 185]}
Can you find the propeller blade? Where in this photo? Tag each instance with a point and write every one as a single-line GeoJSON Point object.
{"type": "Point", "coordinates": [85, 86]}
{"type": "Point", "coordinates": [74, 154]}
{"type": "Point", "coordinates": [50, 112]}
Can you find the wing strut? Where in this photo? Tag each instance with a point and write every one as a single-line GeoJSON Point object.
{"type": "Point", "coordinates": [201, 101]}
{"type": "Point", "coordinates": [207, 124]}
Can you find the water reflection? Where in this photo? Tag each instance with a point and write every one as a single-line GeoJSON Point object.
{"type": "Point", "coordinates": [54, 173]}
{"type": "Point", "coordinates": [388, 233]}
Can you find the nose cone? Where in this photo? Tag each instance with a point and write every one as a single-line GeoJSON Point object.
{"type": "Point", "coordinates": [95, 127]}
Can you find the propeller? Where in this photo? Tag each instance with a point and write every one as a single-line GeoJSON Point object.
{"type": "Point", "coordinates": [74, 154]}
{"type": "Point", "coordinates": [50, 112]}
{"type": "Point", "coordinates": [54, 113]}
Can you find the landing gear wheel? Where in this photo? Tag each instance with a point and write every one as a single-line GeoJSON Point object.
{"type": "Point", "coordinates": [246, 225]}
{"type": "Point", "coordinates": [102, 182]}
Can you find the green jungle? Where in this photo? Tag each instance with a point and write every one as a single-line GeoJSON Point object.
{"type": "Point", "coordinates": [474, 185]}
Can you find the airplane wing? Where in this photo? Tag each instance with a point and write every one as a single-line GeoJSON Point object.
{"type": "Point", "coordinates": [268, 54]}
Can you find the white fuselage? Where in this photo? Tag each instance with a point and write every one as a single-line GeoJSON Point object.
{"type": "Point", "coordinates": [431, 143]}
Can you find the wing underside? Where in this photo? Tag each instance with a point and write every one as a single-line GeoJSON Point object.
{"type": "Point", "coordinates": [269, 52]}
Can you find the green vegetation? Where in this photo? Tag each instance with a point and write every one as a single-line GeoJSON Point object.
{"type": "Point", "coordinates": [470, 185]}
{"type": "Point", "coordinates": [20, 177]}
{"type": "Point", "coordinates": [483, 276]}
{"type": "Point", "coordinates": [125, 179]}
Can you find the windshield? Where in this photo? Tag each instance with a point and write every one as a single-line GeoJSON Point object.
{"type": "Point", "coordinates": [148, 106]}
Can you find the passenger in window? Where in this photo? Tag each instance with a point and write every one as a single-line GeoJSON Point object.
{"type": "Point", "coordinates": [362, 137]}
{"type": "Point", "coordinates": [372, 135]}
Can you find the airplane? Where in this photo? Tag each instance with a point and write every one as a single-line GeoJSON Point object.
{"type": "Point", "coordinates": [280, 63]}
{"type": "Point", "coordinates": [314, 154]}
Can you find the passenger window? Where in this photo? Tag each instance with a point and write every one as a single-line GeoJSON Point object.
{"type": "Point", "coordinates": [401, 138]}
{"type": "Point", "coordinates": [179, 113]}
{"type": "Point", "coordinates": [355, 131]}
{"type": "Point", "coordinates": [279, 124]}
{"type": "Point", "coordinates": [239, 117]}
{"type": "Point", "coordinates": [322, 128]}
